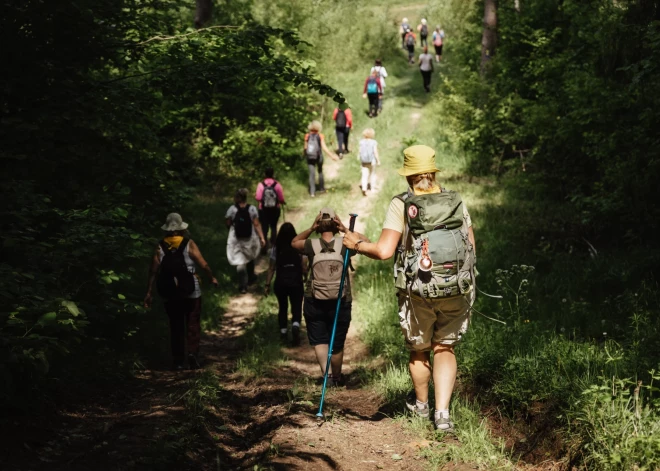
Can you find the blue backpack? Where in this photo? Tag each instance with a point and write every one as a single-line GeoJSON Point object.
{"type": "Point", "coordinates": [372, 85]}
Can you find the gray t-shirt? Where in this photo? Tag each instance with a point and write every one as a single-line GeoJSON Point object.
{"type": "Point", "coordinates": [231, 212]}
{"type": "Point", "coordinates": [426, 62]}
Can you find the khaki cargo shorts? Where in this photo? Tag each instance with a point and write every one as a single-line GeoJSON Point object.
{"type": "Point", "coordinates": [443, 322]}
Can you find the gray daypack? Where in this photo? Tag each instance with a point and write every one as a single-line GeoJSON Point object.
{"type": "Point", "coordinates": [435, 230]}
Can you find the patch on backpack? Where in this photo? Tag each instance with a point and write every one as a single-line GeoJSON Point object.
{"type": "Point", "coordinates": [412, 211]}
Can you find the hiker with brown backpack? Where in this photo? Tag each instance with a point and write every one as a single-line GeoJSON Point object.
{"type": "Point", "coordinates": [173, 270]}
{"type": "Point", "coordinates": [313, 152]}
{"type": "Point", "coordinates": [326, 260]}
{"type": "Point", "coordinates": [430, 231]}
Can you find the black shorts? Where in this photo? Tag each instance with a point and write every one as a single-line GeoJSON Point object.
{"type": "Point", "coordinates": [438, 50]}
{"type": "Point", "coordinates": [319, 317]}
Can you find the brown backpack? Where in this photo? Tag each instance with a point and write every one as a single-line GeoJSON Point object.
{"type": "Point", "coordinates": [326, 271]}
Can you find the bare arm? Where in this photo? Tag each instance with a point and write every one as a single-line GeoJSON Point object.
{"type": "Point", "coordinates": [260, 233]}
{"type": "Point", "coordinates": [471, 239]}
{"type": "Point", "coordinates": [328, 151]}
{"type": "Point", "coordinates": [153, 269]}
{"type": "Point", "coordinates": [381, 250]}
{"type": "Point", "coordinates": [196, 255]}
{"type": "Point", "coordinates": [298, 241]}
{"type": "Point", "coordinates": [376, 154]}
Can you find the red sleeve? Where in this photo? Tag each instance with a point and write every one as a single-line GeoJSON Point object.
{"type": "Point", "coordinates": [349, 117]}
{"type": "Point", "coordinates": [365, 85]}
{"type": "Point", "coordinates": [334, 113]}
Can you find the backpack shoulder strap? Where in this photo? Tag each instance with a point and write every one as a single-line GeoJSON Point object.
{"type": "Point", "coordinates": [316, 246]}
{"type": "Point", "coordinates": [163, 246]}
{"type": "Point", "coordinates": [183, 244]}
{"type": "Point", "coordinates": [339, 244]}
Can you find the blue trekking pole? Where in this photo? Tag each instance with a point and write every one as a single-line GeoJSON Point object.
{"type": "Point", "coordinates": [334, 325]}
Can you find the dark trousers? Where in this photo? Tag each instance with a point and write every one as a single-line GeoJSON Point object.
{"type": "Point", "coordinates": [342, 139]}
{"type": "Point", "coordinates": [403, 40]}
{"type": "Point", "coordinates": [423, 41]}
{"type": "Point", "coordinates": [268, 218]}
{"type": "Point", "coordinates": [286, 294]}
{"type": "Point", "coordinates": [185, 329]}
{"type": "Point", "coordinates": [373, 103]}
{"type": "Point", "coordinates": [411, 54]}
{"type": "Point", "coordinates": [312, 166]}
{"type": "Point", "coordinates": [426, 77]}
{"type": "Point", "coordinates": [246, 274]}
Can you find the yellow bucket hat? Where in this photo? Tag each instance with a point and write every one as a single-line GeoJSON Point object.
{"type": "Point", "coordinates": [418, 159]}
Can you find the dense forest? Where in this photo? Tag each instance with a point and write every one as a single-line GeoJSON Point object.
{"type": "Point", "coordinates": [115, 113]}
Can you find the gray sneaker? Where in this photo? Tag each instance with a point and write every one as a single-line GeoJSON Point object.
{"type": "Point", "coordinates": [411, 404]}
{"type": "Point", "coordinates": [444, 424]}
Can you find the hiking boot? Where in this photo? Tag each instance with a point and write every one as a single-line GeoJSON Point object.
{"type": "Point", "coordinates": [323, 190]}
{"type": "Point", "coordinates": [295, 335]}
{"type": "Point", "coordinates": [371, 115]}
{"type": "Point", "coordinates": [364, 193]}
{"type": "Point", "coordinates": [178, 367]}
{"type": "Point", "coordinates": [193, 364]}
{"type": "Point", "coordinates": [341, 156]}
{"type": "Point", "coordinates": [337, 381]}
{"type": "Point", "coordinates": [442, 423]}
{"type": "Point", "coordinates": [369, 186]}
{"type": "Point", "coordinates": [411, 404]}
{"type": "Point", "coordinates": [242, 290]}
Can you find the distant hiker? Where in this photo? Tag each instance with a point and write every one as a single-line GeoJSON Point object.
{"type": "Point", "coordinates": [173, 269]}
{"type": "Point", "coordinates": [244, 239]}
{"type": "Point", "coordinates": [382, 73]}
{"type": "Point", "coordinates": [374, 91]}
{"type": "Point", "coordinates": [423, 33]}
{"type": "Point", "coordinates": [313, 152]}
{"type": "Point", "coordinates": [431, 231]}
{"type": "Point", "coordinates": [426, 68]}
{"type": "Point", "coordinates": [286, 264]}
{"type": "Point", "coordinates": [438, 39]}
{"type": "Point", "coordinates": [270, 196]}
{"type": "Point", "coordinates": [368, 158]}
{"type": "Point", "coordinates": [410, 45]}
{"type": "Point", "coordinates": [403, 30]}
{"type": "Point", "coordinates": [343, 124]}
{"type": "Point", "coordinates": [326, 259]}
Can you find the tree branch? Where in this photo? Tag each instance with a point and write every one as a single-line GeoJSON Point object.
{"type": "Point", "coordinates": [179, 36]}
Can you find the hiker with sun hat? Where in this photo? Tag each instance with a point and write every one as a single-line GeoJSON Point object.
{"type": "Point", "coordinates": [173, 268]}
{"type": "Point", "coordinates": [430, 231]}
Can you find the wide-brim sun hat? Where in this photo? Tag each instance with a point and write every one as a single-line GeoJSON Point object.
{"type": "Point", "coordinates": [418, 159]}
{"type": "Point", "coordinates": [174, 222]}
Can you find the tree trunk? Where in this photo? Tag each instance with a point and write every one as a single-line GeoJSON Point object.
{"type": "Point", "coordinates": [203, 10]}
{"type": "Point", "coordinates": [489, 38]}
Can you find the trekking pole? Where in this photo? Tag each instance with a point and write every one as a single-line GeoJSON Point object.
{"type": "Point", "coordinates": [334, 325]}
{"type": "Point", "coordinates": [283, 215]}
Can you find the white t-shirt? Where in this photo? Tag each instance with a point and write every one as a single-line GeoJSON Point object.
{"type": "Point", "coordinates": [382, 72]}
{"type": "Point", "coordinates": [426, 62]}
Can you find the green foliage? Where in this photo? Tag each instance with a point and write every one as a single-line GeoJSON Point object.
{"type": "Point", "coordinates": [112, 112]}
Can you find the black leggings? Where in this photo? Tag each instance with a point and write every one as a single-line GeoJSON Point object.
{"type": "Point", "coordinates": [284, 295]}
{"type": "Point", "coordinates": [373, 103]}
{"type": "Point", "coordinates": [426, 77]}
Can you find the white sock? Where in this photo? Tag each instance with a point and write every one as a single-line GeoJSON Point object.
{"type": "Point", "coordinates": [296, 324]}
{"type": "Point", "coordinates": [442, 413]}
{"type": "Point", "coordinates": [421, 405]}
{"type": "Point", "coordinates": [283, 331]}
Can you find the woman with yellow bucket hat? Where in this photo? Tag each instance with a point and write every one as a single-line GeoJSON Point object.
{"type": "Point", "coordinates": [431, 228]}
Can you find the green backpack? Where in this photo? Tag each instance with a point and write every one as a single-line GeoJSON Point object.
{"type": "Point", "coordinates": [435, 258]}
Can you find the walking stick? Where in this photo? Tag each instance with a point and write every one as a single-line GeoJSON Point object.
{"type": "Point", "coordinates": [334, 325]}
{"type": "Point", "coordinates": [283, 215]}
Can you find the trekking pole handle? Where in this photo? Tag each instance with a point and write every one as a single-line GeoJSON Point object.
{"type": "Point", "coordinates": [351, 224]}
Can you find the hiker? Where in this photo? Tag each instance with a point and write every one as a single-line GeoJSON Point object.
{"type": "Point", "coordinates": [343, 124]}
{"type": "Point", "coordinates": [374, 91]}
{"type": "Point", "coordinates": [430, 229]}
{"type": "Point", "coordinates": [326, 260]}
{"type": "Point", "coordinates": [270, 196]}
{"type": "Point", "coordinates": [438, 38]}
{"type": "Point", "coordinates": [382, 74]}
{"type": "Point", "coordinates": [410, 45]}
{"type": "Point", "coordinates": [423, 33]}
{"type": "Point", "coordinates": [403, 30]}
{"type": "Point", "coordinates": [245, 238]}
{"type": "Point", "coordinates": [313, 152]}
{"type": "Point", "coordinates": [426, 68]}
{"type": "Point", "coordinates": [287, 264]}
{"type": "Point", "coordinates": [368, 157]}
{"type": "Point", "coordinates": [173, 267]}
